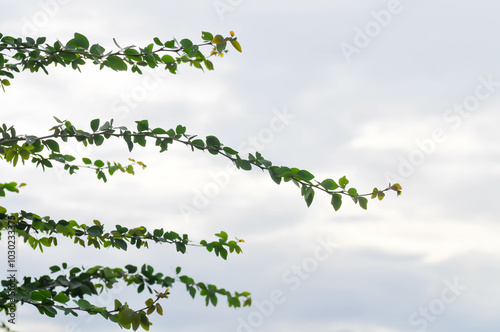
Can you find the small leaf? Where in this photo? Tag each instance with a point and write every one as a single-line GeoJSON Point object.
{"type": "Point", "coordinates": [94, 124]}
{"type": "Point", "coordinates": [30, 140]}
{"type": "Point", "coordinates": [230, 151]}
{"type": "Point", "coordinates": [81, 40]}
{"type": "Point", "coordinates": [158, 41]}
{"type": "Point", "coordinates": [363, 202]}
{"type": "Point", "coordinates": [206, 36]}
{"type": "Point", "coordinates": [116, 63]}
{"type": "Point", "coordinates": [396, 187]}
{"type": "Point", "coordinates": [236, 45]}
{"type": "Point", "coordinates": [186, 43]}
{"type": "Point", "coordinates": [343, 182]}
{"type": "Point", "coordinates": [167, 59]}
{"type": "Point", "coordinates": [51, 144]}
{"type": "Point", "coordinates": [329, 184]}
{"type": "Point", "coordinates": [97, 49]}
{"type": "Point", "coordinates": [305, 175]}
{"type": "Point", "coordinates": [142, 125]}
{"type": "Point", "coordinates": [218, 39]}
{"type": "Point", "coordinates": [336, 201]}
{"type": "Point", "coordinates": [61, 297]}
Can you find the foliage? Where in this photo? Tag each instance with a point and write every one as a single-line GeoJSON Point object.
{"type": "Point", "coordinates": [68, 289]}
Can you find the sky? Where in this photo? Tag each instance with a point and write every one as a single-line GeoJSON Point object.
{"type": "Point", "coordinates": [379, 91]}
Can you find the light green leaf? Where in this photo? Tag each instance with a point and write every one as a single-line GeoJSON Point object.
{"type": "Point", "coordinates": [343, 182]}
{"type": "Point", "coordinates": [236, 45]}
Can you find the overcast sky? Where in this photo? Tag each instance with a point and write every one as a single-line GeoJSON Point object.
{"type": "Point", "coordinates": [379, 91]}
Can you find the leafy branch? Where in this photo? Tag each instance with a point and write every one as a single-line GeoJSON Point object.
{"type": "Point", "coordinates": [26, 224]}
{"type": "Point", "coordinates": [35, 54]}
{"type": "Point", "coordinates": [32, 146]}
{"type": "Point", "coordinates": [52, 294]}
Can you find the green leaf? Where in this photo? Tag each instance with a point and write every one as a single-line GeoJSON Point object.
{"type": "Point", "coordinates": [206, 36]}
{"type": "Point", "coordinates": [84, 304]}
{"type": "Point", "coordinates": [180, 130]}
{"type": "Point", "coordinates": [363, 202]}
{"type": "Point", "coordinates": [94, 124]}
{"type": "Point", "coordinates": [352, 192]}
{"type": "Point", "coordinates": [158, 41]}
{"type": "Point", "coordinates": [343, 182]}
{"type": "Point", "coordinates": [336, 201]}
{"type": "Point", "coordinates": [87, 161]}
{"type": "Point", "coordinates": [329, 184]}
{"type": "Point", "coordinates": [99, 163]}
{"type": "Point", "coordinates": [186, 43]}
{"type": "Point", "coordinates": [95, 231]}
{"type": "Point", "coordinates": [223, 235]}
{"type": "Point", "coordinates": [213, 141]}
{"type": "Point", "coordinates": [167, 59]}
{"type": "Point", "coordinates": [55, 268]}
{"type": "Point", "coordinates": [68, 157]}
{"type": "Point", "coordinates": [303, 174]}
{"type": "Point", "coordinates": [131, 269]}
{"type": "Point", "coordinates": [81, 41]}
{"type": "Point", "coordinates": [158, 131]}
{"type": "Point", "coordinates": [274, 176]}
{"type": "Point", "coordinates": [230, 151]}
{"type": "Point", "coordinates": [142, 125]}
{"type": "Point", "coordinates": [116, 63]}
{"type": "Point", "coordinates": [61, 298]}
{"type": "Point", "coordinates": [121, 244]}
{"type": "Point", "coordinates": [97, 49]}
{"type": "Point", "coordinates": [51, 144]}
{"type": "Point", "coordinates": [309, 196]}
{"type": "Point", "coordinates": [198, 143]}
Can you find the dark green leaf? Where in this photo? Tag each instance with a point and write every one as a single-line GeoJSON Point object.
{"type": "Point", "coordinates": [230, 151]}
{"type": "Point", "coordinates": [158, 41]}
{"type": "Point", "coordinates": [159, 131]}
{"type": "Point", "coordinates": [336, 201]}
{"type": "Point", "coordinates": [142, 125]}
{"type": "Point", "coordinates": [329, 184]}
{"type": "Point", "coordinates": [51, 144]}
{"type": "Point", "coordinates": [363, 202]}
{"type": "Point", "coordinates": [97, 49]}
{"type": "Point", "coordinates": [94, 124]}
{"type": "Point", "coordinates": [303, 174]}
{"type": "Point", "coordinates": [186, 43]}
{"type": "Point", "coordinates": [116, 63]}
{"type": "Point", "coordinates": [81, 41]}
